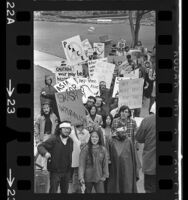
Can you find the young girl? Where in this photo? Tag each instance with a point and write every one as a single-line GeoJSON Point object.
{"type": "Point", "coordinates": [93, 165]}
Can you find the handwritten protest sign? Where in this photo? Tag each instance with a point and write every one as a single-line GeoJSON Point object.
{"type": "Point", "coordinates": [134, 74]}
{"type": "Point", "coordinates": [99, 49]}
{"type": "Point", "coordinates": [88, 87]}
{"type": "Point", "coordinates": [116, 86]}
{"type": "Point", "coordinates": [87, 48]}
{"type": "Point", "coordinates": [130, 92]}
{"type": "Point", "coordinates": [67, 84]}
{"type": "Point", "coordinates": [70, 106]}
{"type": "Point", "coordinates": [92, 65]}
{"type": "Point", "coordinates": [104, 72]}
{"type": "Point", "coordinates": [74, 50]}
{"type": "Point", "coordinates": [66, 71]}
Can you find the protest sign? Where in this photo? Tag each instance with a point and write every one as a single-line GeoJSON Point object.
{"type": "Point", "coordinates": [104, 72]}
{"type": "Point", "coordinates": [130, 92]}
{"type": "Point", "coordinates": [92, 65]}
{"type": "Point", "coordinates": [66, 71]}
{"type": "Point", "coordinates": [99, 49]}
{"type": "Point", "coordinates": [74, 50]}
{"type": "Point", "coordinates": [67, 84]}
{"type": "Point", "coordinates": [70, 106]}
{"type": "Point", "coordinates": [87, 48]}
{"type": "Point", "coordinates": [88, 87]}
{"type": "Point", "coordinates": [134, 74]}
{"type": "Point", "coordinates": [116, 86]}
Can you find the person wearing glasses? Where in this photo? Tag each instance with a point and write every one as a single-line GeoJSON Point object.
{"type": "Point", "coordinates": [58, 152]}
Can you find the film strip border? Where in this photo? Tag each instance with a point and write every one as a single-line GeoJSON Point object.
{"type": "Point", "coordinates": [20, 105]}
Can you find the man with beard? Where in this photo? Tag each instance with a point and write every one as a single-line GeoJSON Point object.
{"type": "Point", "coordinates": [46, 123]}
{"type": "Point", "coordinates": [58, 152]}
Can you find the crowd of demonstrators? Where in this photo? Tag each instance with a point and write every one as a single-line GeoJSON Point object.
{"type": "Point", "coordinates": [100, 154]}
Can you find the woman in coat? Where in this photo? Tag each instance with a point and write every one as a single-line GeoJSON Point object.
{"type": "Point", "coordinates": [93, 118]}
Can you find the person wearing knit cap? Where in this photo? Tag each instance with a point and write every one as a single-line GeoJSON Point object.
{"type": "Point", "coordinates": [48, 93]}
{"type": "Point", "coordinates": [58, 152]}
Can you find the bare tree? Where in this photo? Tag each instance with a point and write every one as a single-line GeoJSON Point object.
{"type": "Point", "coordinates": [134, 20]}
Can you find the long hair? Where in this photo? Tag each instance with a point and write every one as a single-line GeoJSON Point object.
{"type": "Point", "coordinates": [42, 112]}
{"type": "Point", "coordinates": [104, 120]}
{"type": "Point", "coordinates": [90, 150]}
{"type": "Point", "coordinates": [122, 108]}
{"type": "Point", "coordinates": [91, 108]}
{"type": "Point", "coordinates": [58, 130]}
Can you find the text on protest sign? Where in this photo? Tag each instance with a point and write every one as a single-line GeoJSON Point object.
{"type": "Point", "coordinates": [104, 72]}
{"type": "Point", "coordinates": [67, 84]}
{"type": "Point", "coordinates": [92, 65]}
{"type": "Point", "coordinates": [88, 87]}
{"type": "Point", "coordinates": [134, 74]}
{"type": "Point", "coordinates": [99, 49]}
{"type": "Point", "coordinates": [70, 106]}
{"type": "Point", "coordinates": [74, 50]}
{"type": "Point", "coordinates": [130, 92]}
{"type": "Point", "coordinates": [64, 72]}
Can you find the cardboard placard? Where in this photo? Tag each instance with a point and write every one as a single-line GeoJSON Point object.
{"type": "Point", "coordinates": [88, 87]}
{"type": "Point", "coordinates": [104, 72]}
{"type": "Point", "coordinates": [99, 49]}
{"type": "Point", "coordinates": [67, 84]}
{"type": "Point", "coordinates": [74, 50]}
{"type": "Point", "coordinates": [87, 48]}
{"type": "Point", "coordinates": [70, 106]}
{"type": "Point", "coordinates": [92, 65]}
{"type": "Point", "coordinates": [130, 92]}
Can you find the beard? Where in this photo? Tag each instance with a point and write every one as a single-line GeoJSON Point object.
{"type": "Point", "coordinates": [64, 136]}
{"type": "Point", "coordinates": [47, 114]}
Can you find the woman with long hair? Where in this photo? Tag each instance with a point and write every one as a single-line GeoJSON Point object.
{"type": "Point", "coordinates": [93, 164]}
{"type": "Point", "coordinates": [93, 117]}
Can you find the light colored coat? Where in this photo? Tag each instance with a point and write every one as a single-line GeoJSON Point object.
{"type": "Point", "coordinates": [40, 125]}
{"type": "Point", "coordinates": [96, 121]}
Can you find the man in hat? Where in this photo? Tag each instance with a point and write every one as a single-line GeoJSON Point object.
{"type": "Point", "coordinates": [58, 152]}
{"type": "Point", "coordinates": [48, 92]}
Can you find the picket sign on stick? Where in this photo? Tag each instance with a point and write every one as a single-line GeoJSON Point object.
{"type": "Point", "coordinates": [70, 106]}
{"type": "Point", "coordinates": [130, 92]}
{"type": "Point", "coordinates": [74, 50]}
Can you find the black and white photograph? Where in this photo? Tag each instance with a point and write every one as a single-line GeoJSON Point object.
{"type": "Point", "coordinates": [94, 101]}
